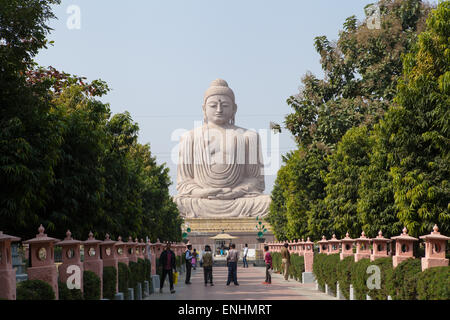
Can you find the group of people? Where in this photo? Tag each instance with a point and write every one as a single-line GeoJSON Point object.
{"type": "Point", "coordinates": [168, 263]}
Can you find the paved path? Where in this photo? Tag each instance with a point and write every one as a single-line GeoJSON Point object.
{"type": "Point", "coordinates": [250, 287]}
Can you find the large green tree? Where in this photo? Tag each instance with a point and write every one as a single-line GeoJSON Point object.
{"type": "Point", "coordinates": [361, 70]}
{"type": "Point", "coordinates": [416, 131]}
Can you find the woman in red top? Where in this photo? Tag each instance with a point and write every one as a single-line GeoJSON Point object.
{"type": "Point", "coordinates": [268, 261]}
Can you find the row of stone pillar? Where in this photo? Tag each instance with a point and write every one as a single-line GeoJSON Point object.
{"type": "Point", "coordinates": [97, 254]}
{"type": "Point", "coordinates": [435, 247]}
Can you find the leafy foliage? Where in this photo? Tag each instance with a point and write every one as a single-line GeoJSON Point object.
{"type": "Point", "coordinates": [325, 270]}
{"type": "Point", "coordinates": [91, 286]}
{"type": "Point", "coordinates": [434, 284]}
{"type": "Point", "coordinates": [402, 284]}
{"type": "Point", "coordinates": [64, 293]}
{"type": "Point", "coordinates": [35, 290]}
{"type": "Point", "coordinates": [344, 275]}
{"type": "Point", "coordinates": [124, 276]}
{"type": "Point", "coordinates": [109, 282]}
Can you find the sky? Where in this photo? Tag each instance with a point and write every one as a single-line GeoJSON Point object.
{"type": "Point", "coordinates": [159, 57]}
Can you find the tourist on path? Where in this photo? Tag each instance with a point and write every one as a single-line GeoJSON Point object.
{"type": "Point", "coordinates": [167, 262]}
{"type": "Point", "coordinates": [188, 256]}
{"type": "Point", "coordinates": [207, 263]}
{"type": "Point", "coordinates": [232, 259]}
{"type": "Point", "coordinates": [244, 258]}
{"type": "Point", "coordinates": [269, 267]}
{"type": "Point", "coordinates": [285, 260]}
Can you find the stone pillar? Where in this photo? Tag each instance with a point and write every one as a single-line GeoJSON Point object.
{"type": "Point", "coordinates": [333, 245]}
{"type": "Point", "coordinates": [362, 247]}
{"type": "Point", "coordinates": [142, 249]}
{"type": "Point", "coordinates": [435, 245]}
{"type": "Point", "coordinates": [109, 256]}
{"type": "Point", "coordinates": [7, 273]}
{"type": "Point", "coordinates": [42, 253]}
{"type": "Point", "coordinates": [92, 261]}
{"type": "Point", "coordinates": [308, 276]}
{"type": "Point", "coordinates": [323, 245]}
{"type": "Point", "coordinates": [70, 257]}
{"type": "Point", "coordinates": [403, 247]}
{"type": "Point", "coordinates": [131, 250]}
{"type": "Point", "coordinates": [380, 246]}
{"type": "Point", "coordinates": [153, 257]}
{"type": "Point", "coordinates": [346, 247]}
{"type": "Point", "coordinates": [158, 248]}
{"type": "Point", "coordinates": [302, 247]}
{"type": "Point", "coordinates": [121, 252]}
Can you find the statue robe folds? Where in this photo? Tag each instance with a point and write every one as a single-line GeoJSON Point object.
{"type": "Point", "coordinates": [206, 161]}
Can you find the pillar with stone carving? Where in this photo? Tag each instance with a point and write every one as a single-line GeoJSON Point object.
{"type": "Point", "coordinates": [362, 247]}
{"type": "Point", "coordinates": [379, 247]}
{"type": "Point", "coordinates": [71, 260]}
{"type": "Point", "coordinates": [92, 261]}
{"type": "Point", "coordinates": [346, 246]}
{"type": "Point", "coordinates": [121, 251]}
{"type": "Point", "coordinates": [333, 245]}
{"type": "Point", "coordinates": [109, 256]}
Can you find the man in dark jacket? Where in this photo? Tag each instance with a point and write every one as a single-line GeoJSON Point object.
{"type": "Point", "coordinates": [168, 264]}
{"type": "Point", "coordinates": [188, 257]}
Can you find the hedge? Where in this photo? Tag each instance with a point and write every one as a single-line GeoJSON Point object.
{"type": "Point", "coordinates": [35, 290]}
{"type": "Point", "coordinates": [296, 268]}
{"type": "Point", "coordinates": [434, 284]}
{"type": "Point", "coordinates": [64, 293]}
{"type": "Point", "coordinates": [403, 280]}
{"type": "Point", "coordinates": [325, 270]}
{"type": "Point", "coordinates": [386, 269]}
{"type": "Point", "coordinates": [109, 282]}
{"type": "Point", "coordinates": [91, 286]}
{"type": "Point", "coordinates": [124, 275]}
{"type": "Point", "coordinates": [148, 270]}
{"type": "Point", "coordinates": [344, 275]}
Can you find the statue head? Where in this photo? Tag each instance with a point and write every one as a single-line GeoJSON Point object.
{"type": "Point", "coordinates": [219, 106]}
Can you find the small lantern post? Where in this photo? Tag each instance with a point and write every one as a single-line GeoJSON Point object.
{"type": "Point", "coordinates": [92, 261]}
{"type": "Point", "coordinates": [308, 254]}
{"type": "Point", "coordinates": [333, 245]}
{"type": "Point", "coordinates": [323, 245]}
{"type": "Point", "coordinates": [435, 245]}
{"type": "Point", "coordinates": [380, 246]}
{"type": "Point", "coordinates": [42, 254]}
{"type": "Point", "coordinates": [403, 248]}
{"type": "Point", "coordinates": [121, 252]}
{"type": "Point", "coordinates": [70, 257]}
{"type": "Point", "coordinates": [7, 273]}
{"type": "Point", "coordinates": [346, 246]}
{"type": "Point", "coordinates": [362, 247]}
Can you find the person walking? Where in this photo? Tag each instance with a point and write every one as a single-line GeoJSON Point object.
{"type": "Point", "coordinates": [188, 257]}
{"type": "Point", "coordinates": [269, 267]}
{"type": "Point", "coordinates": [194, 259]}
{"type": "Point", "coordinates": [285, 260]}
{"type": "Point", "coordinates": [167, 262]}
{"type": "Point", "coordinates": [232, 260]}
{"type": "Point", "coordinates": [207, 263]}
{"type": "Point", "coordinates": [244, 258]}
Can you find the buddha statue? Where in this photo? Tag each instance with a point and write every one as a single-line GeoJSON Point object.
{"type": "Point", "coordinates": [220, 168]}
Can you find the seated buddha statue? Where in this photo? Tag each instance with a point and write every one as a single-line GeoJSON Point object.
{"type": "Point", "coordinates": [220, 167]}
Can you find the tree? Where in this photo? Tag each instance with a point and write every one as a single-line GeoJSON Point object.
{"type": "Point", "coordinates": [417, 130]}
{"type": "Point", "coordinates": [361, 72]}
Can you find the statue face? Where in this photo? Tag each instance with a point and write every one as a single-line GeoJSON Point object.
{"type": "Point", "coordinates": [219, 109]}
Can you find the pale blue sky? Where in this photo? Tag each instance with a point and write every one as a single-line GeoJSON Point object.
{"type": "Point", "coordinates": [160, 56]}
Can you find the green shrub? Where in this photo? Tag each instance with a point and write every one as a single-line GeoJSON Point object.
{"type": "Point", "coordinates": [35, 290]}
{"type": "Point", "coordinates": [434, 284]}
{"type": "Point", "coordinates": [109, 282]}
{"type": "Point", "coordinates": [402, 282]}
{"type": "Point", "coordinates": [91, 286]}
{"type": "Point", "coordinates": [324, 269]}
{"type": "Point", "coordinates": [148, 270]}
{"type": "Point", "coordinates": [141, 270]}
{"type": "Point", "coordinates": [124, 275]}
{"type": "Point", "coordinates": [276, 261]}
{"type": "Point", "coordinates": [344, 275]}
{"type": "Point", "coordinates": [65, 293]}
{"type": "Point", "coordinates": [158, 268]}
{"type": "Point", "coordinates": [319, 270]}
{"type": "Point", "coordinates": [134, 274]}
{"type": "Point", "coordinates": [385, 265]}
{"type": "Point", "coordinates": [297, 267]}
{"type": "Point", "coordinates": [359, 278]}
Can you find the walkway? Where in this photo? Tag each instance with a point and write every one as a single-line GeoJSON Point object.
{"type": "Point", "coordinates": [250, 287]}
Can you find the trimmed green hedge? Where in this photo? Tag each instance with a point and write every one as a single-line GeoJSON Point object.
{"type": "Point", "coordinates": [91, 286]}
{"type": "Point", "coordinates": [35, 290]}
{"type": "Point", "coordinates": [148, 270]}
{"type": "Point", "coordinates": [402, 284]}
{"type": "Point", "coordinates": [124, 275]}
{"type": "Point", "coordinates": [109, 282]}
{"type": "Point", "coordinates": [325, 270]}
{"type": "Point", "coordinates": [65, 293]}
{"type": "Point", "coordinates": [296, 268]}
{"type": "Point", "coordinates": [434, 284]}
{"type": "Point", "coordinates": [344, 275]}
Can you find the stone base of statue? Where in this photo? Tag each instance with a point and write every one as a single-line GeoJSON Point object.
{"type": "Point", "coordinates": [223, 231]}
